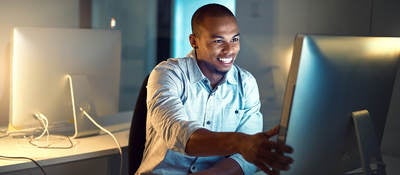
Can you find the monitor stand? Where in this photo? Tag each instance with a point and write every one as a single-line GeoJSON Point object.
{"type": "Point", "coordinates": [81, 97]}
{"type": "Point", "coordinates": [368, 145]}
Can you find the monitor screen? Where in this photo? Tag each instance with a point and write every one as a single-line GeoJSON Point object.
{"type": "Point", "coordinates": [41, 60]}
{"type": "Point", "coordinates": [330, 77]}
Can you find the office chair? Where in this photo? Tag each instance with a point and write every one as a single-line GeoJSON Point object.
{"type": "Point", "coordinates": [137, 134]}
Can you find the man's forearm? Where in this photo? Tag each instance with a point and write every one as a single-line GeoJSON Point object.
{"type": "Point", "coordinates": [207, 143]}
{"type": "Point", "coordinates": [256, 149]}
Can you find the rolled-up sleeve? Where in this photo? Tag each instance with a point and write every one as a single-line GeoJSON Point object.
{"type": "Point", "coordinates": [165, 109]}
{"type": "Point", "coordinates": [247, 168]}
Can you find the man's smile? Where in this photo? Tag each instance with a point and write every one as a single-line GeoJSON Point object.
{"type": "Point", "coordinates": [226, 60]}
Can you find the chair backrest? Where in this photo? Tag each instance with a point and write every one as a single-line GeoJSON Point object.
{"type": "Point", "coordinates": [137, 134]}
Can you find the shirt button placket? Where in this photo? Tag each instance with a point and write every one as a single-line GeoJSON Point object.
{"type": "Point", "coordinates": [209, 110]}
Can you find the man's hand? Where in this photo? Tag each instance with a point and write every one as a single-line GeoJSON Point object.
{"type": "Point", "coordinates": [258, 149]}
{"type": "Point", "coordinates": [266, 154]}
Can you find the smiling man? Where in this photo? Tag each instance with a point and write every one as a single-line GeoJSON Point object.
{"type": "Point", "coordinates": [215, 40]}
{"type": "Point", "coordinates": [204, 111]}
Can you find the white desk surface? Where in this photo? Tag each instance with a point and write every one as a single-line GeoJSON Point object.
{"type": "Point", "coordinates": [84, 148]}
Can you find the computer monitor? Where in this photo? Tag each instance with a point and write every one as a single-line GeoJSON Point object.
{"type": "Point", "coordinates": [330, 77]}
{"type": "Point", "coordinates": [41, 60]}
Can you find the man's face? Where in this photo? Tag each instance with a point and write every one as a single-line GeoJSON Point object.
{"type": "Point", "coordinates": [217, 45]}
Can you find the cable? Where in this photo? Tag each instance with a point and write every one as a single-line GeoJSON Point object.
{"type": "Point", "coordinates": [49, 146]}
{"type": "Point", "coordinates": [3, 133]}
{"type": "Point", "coordinates": [45, 125]}
{"type": "Point", "coordinates": [109, 133]}
{"type": "Point", "coordinates": [26, 158]}
{"type": "Point", "coordinates": [45, 122]}
{"type": "Point", "coordinates": [69, 78]}
{"type": "Point", "coordinates": [71, 90]}
{"type": "Point", "coordinates": [43, 119]}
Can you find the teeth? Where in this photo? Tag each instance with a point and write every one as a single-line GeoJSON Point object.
{"type": "Point", "coordinates": [225, 60]}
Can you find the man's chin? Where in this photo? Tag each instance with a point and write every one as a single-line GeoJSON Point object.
{"type": "Point", "coordinates": [224, 71]}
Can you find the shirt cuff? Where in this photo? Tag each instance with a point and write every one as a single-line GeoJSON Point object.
{"type": "Point", "coordinates": [247, 167]}
{"type": "Point", "coordinates": [187, 129]}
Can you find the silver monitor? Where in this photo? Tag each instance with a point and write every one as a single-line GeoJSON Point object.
{"type": "Point", "coordinates": [330, 77]}
{"type": "Point", "coordinates": [41, 60]}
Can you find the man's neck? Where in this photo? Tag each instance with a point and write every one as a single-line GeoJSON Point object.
{"type": "Point", "coordinates": [215, 77]}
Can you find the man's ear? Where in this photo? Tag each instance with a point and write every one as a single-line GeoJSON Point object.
{"type": "Point", "coordinates": [192, 40]}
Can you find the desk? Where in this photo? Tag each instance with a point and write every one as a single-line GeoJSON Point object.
{"type": "Point", "coordinates": [100, 149]}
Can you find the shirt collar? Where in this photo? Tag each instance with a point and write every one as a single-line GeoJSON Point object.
{"type": "Point", "coordinates": [195, 74]}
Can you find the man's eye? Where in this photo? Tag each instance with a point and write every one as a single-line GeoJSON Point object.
{"type": "Point", "coordinates": [235, 39]}
{"type": "Point", "coordinates": [218, 41]}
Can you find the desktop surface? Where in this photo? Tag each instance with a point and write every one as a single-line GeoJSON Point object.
{"type": "Point", "coordinates": [84, 148]}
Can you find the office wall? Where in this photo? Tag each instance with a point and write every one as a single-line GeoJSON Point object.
{"type": "Point", "coordinates": [136, 19]}
{"type": "Point", "coordinates": [37, 13]}
{"type": "Point", "coordinates": [385, 22]}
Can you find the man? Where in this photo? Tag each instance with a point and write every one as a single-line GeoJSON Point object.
{"type": "Point", "coordinates": [203, 111]}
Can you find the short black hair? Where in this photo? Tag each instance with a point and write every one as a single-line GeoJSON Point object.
{"type": "Point", "coordinates": [209, 10]}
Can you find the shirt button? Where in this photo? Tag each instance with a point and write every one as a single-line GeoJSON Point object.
{"type": "Point", "coordinates": [193, 169]}
{"type": "Point", "coordinates": [236, 111]}
{"type": "Point", "coordinates": [208, 122]}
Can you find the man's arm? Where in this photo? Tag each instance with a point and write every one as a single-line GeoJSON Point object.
{"type": "Point", "coordinates": [207, 143]}
{"type": "Point", "coordinates": [257, 148]}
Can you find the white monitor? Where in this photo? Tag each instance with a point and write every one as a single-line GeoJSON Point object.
{"type": "Point", "coordinates": [41, 60]}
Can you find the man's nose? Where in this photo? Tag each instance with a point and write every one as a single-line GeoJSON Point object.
{"type": "Point", "coordinates": [229, 48]}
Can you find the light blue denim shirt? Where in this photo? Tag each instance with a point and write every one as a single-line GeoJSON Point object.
{"type": "Point", "coordinates": [180, 100]}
